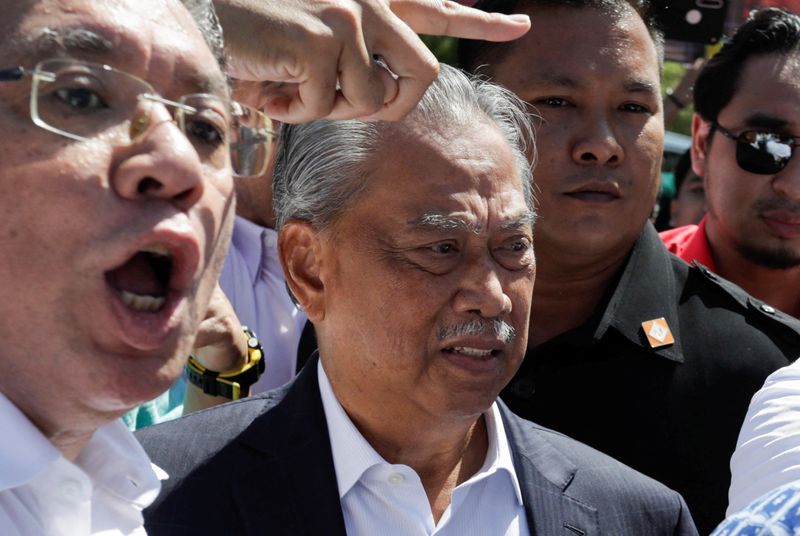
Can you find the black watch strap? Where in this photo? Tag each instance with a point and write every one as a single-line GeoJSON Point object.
{"type": "Point", "coordinates": [232, 385]}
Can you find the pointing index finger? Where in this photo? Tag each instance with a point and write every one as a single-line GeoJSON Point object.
{"type": "Point", "coordinates": [446, 17]}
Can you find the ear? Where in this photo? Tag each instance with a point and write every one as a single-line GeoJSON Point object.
{"type": "Point", "coordinates": [700, 144]}
{"type": "Point", "coordinates": [299, 252]}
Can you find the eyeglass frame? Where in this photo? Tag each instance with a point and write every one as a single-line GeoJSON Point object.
{"type": "Point", "coordinates": [739, 140]}
{"type": "Point", "coordinates": [14, 74]}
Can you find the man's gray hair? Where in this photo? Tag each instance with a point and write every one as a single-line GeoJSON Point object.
{"type": "Point", "coordinates": [205, 17]}
{"type": "Point", "coordinates": [323, 166]}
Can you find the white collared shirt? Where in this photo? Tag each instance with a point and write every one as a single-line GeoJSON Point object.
{"type": "Point", "coordinates": [381, 498]}
{"type": "Point", "coordinates": [768, 449]}
{"type": "Point", "coordinates": [253, 281]}
{"type": "Point", "coordinates": [102, 493]}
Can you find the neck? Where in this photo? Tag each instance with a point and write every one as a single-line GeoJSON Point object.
{"type": "Point", "coordinates": [69, 429]}
{"type": "Point", "coordinates": [568, 289]}
{"type": "Point", "coordinates": [442, 461]}
{"type": "Point", "coordinates": [779, 288]}
{"type": "Point", "coordinates": [443, 452]}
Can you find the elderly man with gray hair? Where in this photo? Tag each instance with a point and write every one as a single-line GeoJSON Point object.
{"type": "Point", "coordinates": [409, 246]}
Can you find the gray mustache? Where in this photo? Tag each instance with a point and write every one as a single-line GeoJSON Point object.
{"type": "Point", "coordinates": [499, 329]}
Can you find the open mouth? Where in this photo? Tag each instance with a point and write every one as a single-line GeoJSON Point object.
{"type": "Point", "coordinates": [471, 352]}
{"type": "Point", "coordinates": [143, 281]}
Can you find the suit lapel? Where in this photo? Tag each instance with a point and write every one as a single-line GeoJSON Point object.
{"type": "Point", "coordinates": [288, 450]}
{"type": "Point", "coordinates": [544, 475]}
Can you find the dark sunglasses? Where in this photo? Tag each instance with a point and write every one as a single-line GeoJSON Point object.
{"type": "Point", "coordinates": [765, 153]}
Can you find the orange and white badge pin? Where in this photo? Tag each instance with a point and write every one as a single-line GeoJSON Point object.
{"type": "Point", "coordinates": [658, 333]}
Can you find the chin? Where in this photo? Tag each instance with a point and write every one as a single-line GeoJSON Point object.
{"type": "Point", "coordinates": [778, 258]}
{"type": "Point", "coordinates": [134, 383]}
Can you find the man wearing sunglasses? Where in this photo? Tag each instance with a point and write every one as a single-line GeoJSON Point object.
{"type": "Point", "coordinates": [745, 131]}
{"type": "Point", "coordinates": [744, 134]}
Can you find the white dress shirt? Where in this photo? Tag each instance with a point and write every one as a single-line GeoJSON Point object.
{"type": "Point", "coordinates": [44, 494]}
{"type": "Point", "coordinates": [381, 498]}
{"type": "Point", "coordinates": [253, 281]}
{"type": "Point", "coordinates": [768, 450]}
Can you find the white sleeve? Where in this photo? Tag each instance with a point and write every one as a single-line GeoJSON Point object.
{"type": "Point", "coordinates": [768, 450]}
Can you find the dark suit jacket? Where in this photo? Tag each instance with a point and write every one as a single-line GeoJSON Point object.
{"type": "Point", "coordinates": [263, 466]}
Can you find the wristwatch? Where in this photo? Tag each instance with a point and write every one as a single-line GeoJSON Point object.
{"type": "Point", "coordinates": [233, 385]}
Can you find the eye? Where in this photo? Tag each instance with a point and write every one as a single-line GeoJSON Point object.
{"type": "Point", "coordinates": [205, 132]}
{"type": "Point", "coordinates": [81, 98]}
{"type": "Point", "coordinates": [553, 102]}
{"type": "Point", "coordinates": [635, 108]}
{"type": "Point", "coordinates": [519, 245]}
{"type": "Point", "coordinates": [515, 254]}
{"type": "Point", "coordinates": [444, 248]}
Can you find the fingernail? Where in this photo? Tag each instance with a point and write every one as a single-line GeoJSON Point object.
{"type": "Point", "coordinates": [519, 18]}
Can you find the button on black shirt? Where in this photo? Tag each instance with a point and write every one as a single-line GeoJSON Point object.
{"type": "Point", "coordinates": [673, 413]}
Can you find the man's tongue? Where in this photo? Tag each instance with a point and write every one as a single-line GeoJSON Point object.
{"type": "Point", "coordinates": [142, 275]}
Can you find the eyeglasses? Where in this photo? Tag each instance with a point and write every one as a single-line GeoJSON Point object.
{"type": "Point", "coordinates": [82, 100]}
{"type": "Point", "coordinates": [765, 153]}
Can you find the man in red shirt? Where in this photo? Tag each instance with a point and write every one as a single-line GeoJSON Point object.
{"type": "Point", "coordinates": [744, 131]}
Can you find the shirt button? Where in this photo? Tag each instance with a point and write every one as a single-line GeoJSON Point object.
{"type": "Point", "coordinates": [768, 309]}
{"type": "Point", "coordinates": [71, 489]}
{"type": "Point", "coordinates": [396, 478]}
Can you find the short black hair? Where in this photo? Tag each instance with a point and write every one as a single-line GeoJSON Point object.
{"type": "Point", "coordinates": [682, 169]}
{"type": "Point", "coordinates": [766, 31]}
{"type": "Point", "coordinates": [472, 54]}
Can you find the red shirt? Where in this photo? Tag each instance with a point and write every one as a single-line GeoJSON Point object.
{"type": "Point", "coordinates": [690, 244]}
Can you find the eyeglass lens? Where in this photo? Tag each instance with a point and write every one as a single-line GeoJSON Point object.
{"type": "Point", "coordinates": [81, 100]}
{"type": "Point", "coordinates": [765, 153]}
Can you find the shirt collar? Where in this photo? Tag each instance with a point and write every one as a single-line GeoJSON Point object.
{"type": "Point", "coordinates": [498, 453]}
{"type": "Point", "coordinates": [28, 453]}
{"type": "Point", "coordinates": [646, 291]}
{"type": "Point", "coordinates": [698, 248]}
{"type": "Point", "coordinates": [115, 461]}
{"type": "Point", "coordinates": [353, 455]}
{"type": "Point", "coordinates": [112, 458]}
{"type": "Point", "coordinates": [245, 235]}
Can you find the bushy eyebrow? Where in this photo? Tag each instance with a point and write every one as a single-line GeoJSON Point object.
{"type": "Point", "coordinates": [554, 79]}
{"type": "Point", "coordinates": [523, 222]}
{"type": "Point", "coordinates": [437, 222]}
{"type": "Point", "coordinates": [762, 120]}
{"type": "Point", "coordinates": [68, 39]}
{"type": "Point", "coordinates": [641, 86]}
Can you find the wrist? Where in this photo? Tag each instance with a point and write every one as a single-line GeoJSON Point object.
{"type": "Point", "coordinates": [234, 383]}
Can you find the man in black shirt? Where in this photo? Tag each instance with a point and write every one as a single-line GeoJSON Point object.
{"type": "Point", "coordinates": [630, 350]}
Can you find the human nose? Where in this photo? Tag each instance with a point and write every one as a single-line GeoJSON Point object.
{"type": "Point", "coordinates": [597, 144]}
{"type": "Point", "coordinates": [481, 291]}
{"type": "Point", "coordinates": [160, 163]}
